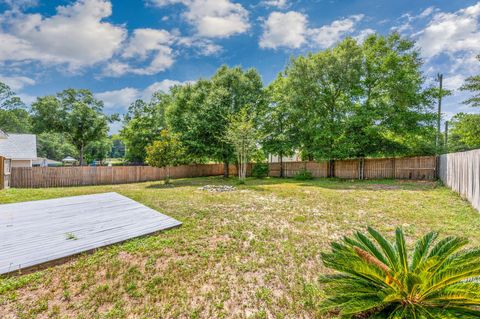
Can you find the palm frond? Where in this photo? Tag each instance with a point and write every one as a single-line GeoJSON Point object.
{"type": "Point", "coordinates": [376, 279]}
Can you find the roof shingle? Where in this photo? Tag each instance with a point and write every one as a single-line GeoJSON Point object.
{"type": "Point", "coordinates": [19, 146]}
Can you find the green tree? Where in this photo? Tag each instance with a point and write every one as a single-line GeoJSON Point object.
{"type": "Point", "coordinates": [394, 113]}
{"type": "Point", "coordinates": [118, 147]}
{"type": "Point", "coordinates": [98, 150]}
{"type": "Point", "coordinates": [189, 118]}
{"type": "Point", "coordinates": [14, 118]}
{"type": "Point", "coordinates": [142, 125]}
{"type": "Point", "coordinates": [359, 100]}
{"type": "Point", "coordinates": [472, 84]}
{"type": "Point", "coordinates": [74, 113]}
{"type": "Point", "coordinates": [54, 146]}
{"type": "Point", "coordinates": [167, 151]}
{"type": "Point", "coordinates": [277, 127]}
{"type": "Point", "coordinates": [243, 135]}
{"type": "Point", "coordinates": [464, 132]}
{"type": "Point", "coordinates": [322, 89]}
{"type": "Point", "coordinates": [200, 112]}
{"type": "Point", "coordinates": [376, 278]}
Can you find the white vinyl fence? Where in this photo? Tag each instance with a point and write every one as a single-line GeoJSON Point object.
{"type": "Point", "coordinates": [461, 172]}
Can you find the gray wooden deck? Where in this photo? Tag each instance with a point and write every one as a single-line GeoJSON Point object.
{"type": "Point", "coordinates": [38, 232]}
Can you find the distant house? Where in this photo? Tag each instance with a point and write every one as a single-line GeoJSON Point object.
{"type": "Point", "coordinates": [276, 159]}
{"type": "Point", "coordinates": [20, 148]}
{"type": "Point", "coordinates": [45, 162]}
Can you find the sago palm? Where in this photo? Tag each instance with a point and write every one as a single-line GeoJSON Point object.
{"type": "Point", "coordinates": [376, 279]}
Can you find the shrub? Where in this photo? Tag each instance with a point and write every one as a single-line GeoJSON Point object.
{"type": "Point", "coordinates": [304, 175]}
{"type": "Point", "coordinates": [260, 170]}
{"type": "Point", "coordinates": [376, 278]}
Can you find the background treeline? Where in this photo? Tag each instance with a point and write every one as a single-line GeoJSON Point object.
{"type": "Point", "coordinates": [366, 99]}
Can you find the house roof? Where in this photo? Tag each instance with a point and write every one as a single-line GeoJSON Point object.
{"type": "Point", "coordinates": [3, 135]}
{"type": "Point", "coordinates": [69, 159]}
{"type": "Point", "coordinates": [19, 146]}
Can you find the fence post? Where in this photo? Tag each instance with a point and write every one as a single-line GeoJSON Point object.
{"type": "Point", "coordinates": [2, 172]}
{"type": "Point", "coordinates": [331, 168]}
{"type": "Point", "coordinates": [361, 168]}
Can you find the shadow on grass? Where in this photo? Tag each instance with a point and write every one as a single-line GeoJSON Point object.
{"type": "Point", "coordinates": [328, 183]}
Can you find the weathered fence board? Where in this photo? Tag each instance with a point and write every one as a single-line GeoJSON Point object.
{"type": "Point", "coordinates": [461, 172]}
{"type": "Point", "coordinates": [402, 168]}
{"type": "Point", "coordinates": [102, 175]}
{"type": "Point", "coordinates": [416, 167]}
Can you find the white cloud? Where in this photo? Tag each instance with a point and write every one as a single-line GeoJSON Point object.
{"type": "Point", "coordinates": [425, 13]}
{"type": "Point", "coordinates": [76, 35]}
{"type": "Point", "coordinates": [120, 99]}
{"type": "Point", "coordinates": [328, 35]}
{"type": "Point", "coordinates": [150, 51]}
{"type": "Point", "coordinates": [363, 34]}
{"type": "Point", "coordinates": [162, 86]}
{"type": "Point", "coordinates": [453, 82]}
{"type": "Point", "coordinates": [284, 30]}
{"type": "Point", "coordinates": [281, 4]}
{"type": "Point", "coordinates": [144, 41]}
{"type": "Point", "coordinates": [202, 46]}
{"type": "Point", "coordinates": [451, 32]}
{"type": "Point", "coordinates": [27, 98]}
{"type": "Point", "coordinates": [213, 18]}
{"type": "Point", "coordinates": [17, 4]}
{"type": "Point", "coordinates": [115, 69]}
{"type": "Point", "coordinates": [16, 83]}
{"type": "Point", "coordinates": [291, 30]}
{"type": "Point", "coordinates": [150, 43]}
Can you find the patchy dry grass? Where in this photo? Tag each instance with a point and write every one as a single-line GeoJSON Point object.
{"type": "Point", "coordinates": [251, 253]}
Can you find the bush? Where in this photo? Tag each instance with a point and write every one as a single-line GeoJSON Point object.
{"type": "Point", "coordinates": [260, 170]}
{"type": "Point", "coordinates": [377, 279]}
{"type": "Point", "coordinates": [304, 175]}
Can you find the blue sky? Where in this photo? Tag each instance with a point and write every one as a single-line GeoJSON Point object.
{"type": "Point", "coordinates": [124, 50]}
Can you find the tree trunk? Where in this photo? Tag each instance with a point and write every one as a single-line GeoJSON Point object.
{"type": "Point", "coordinates": [167, 179]}
{"type": "Point", "coordinates": [226, 172]}
{"type": "Point", "coordinates": [331, 168]}
{"type": "Point", "coordinates": [81, 156]}
{"type": "Point", "coordinates": [281, 165]}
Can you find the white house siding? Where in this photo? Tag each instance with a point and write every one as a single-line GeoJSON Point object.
{"type": "Point", "coordinates": [21, 163]}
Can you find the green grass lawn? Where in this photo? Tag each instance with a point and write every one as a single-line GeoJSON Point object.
{"type": "Point", "coordinates": [252, 253]}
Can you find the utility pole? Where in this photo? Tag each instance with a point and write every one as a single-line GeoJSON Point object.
{"type": "Point", "coordinates": [439, 115]}
{"type": "Point", "coordinates": [446, 136]}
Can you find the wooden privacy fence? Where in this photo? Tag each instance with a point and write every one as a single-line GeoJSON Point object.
{"type": "Point", "coordinates": [419, 168]}
{"type": "Point", "coordinates": [400, 168]}
{"type": "Point", "coordinates": [461, 172]}
{"type": "Point", "coordinates": [26, 177]}
{"type": "Point", "coordinates": [5, 168]}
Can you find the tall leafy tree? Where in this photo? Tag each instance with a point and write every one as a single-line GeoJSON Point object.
{"type": "Point", "coordinates": [142, 125]}
{"type": "Point", "coordinates": [98, 150]}
{"type": "Point", "coordinates": [472, 84]}
{"type": "Point", "coordinates": [323, 88]}
{"type": "Point", "coordinates": [118, 147]}
{"type": "Point", "coordinates": [243, 135]}
{"type": "Point", "coordinates": [393, 114]}
{"type": "Point", "coordinates": [277, 127]}
{"type": "Point", "coordinates": [464, 132]}
{"type": "Point", "coordinates": [166, 152]}
{"type": "Point", "coordinates": [54, 146]}
{"type": "Point", "coordinates": [200, 112]}
{"type": "Point", "coordinates": [74, 113]}
{"type": "Point", "coordinates": [188, 117]}
{"type": "Point", "coordinates": [360, 100]}
{"type": "Point", "coordinates": [14, 118]}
